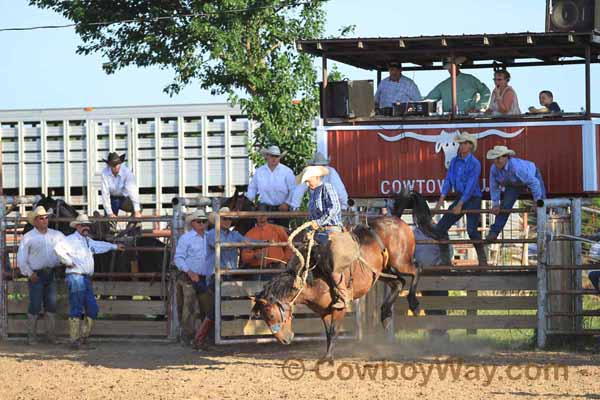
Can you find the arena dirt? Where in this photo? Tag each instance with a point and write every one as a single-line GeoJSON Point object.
{"type": "Point", "coordinates": [117, 370]}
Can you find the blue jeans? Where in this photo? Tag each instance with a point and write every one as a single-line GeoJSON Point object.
{"type": "Point", "coordinates": [43, 291]}
{"type": "Point", "coordinates": [81, 296]}
{"type": "Point", "coordinates": [473, 220]}
{"type": "Point", "coordinates": [510, 196]}
{"type": "Point", "coordinates": [595, 278]}
{"type": "Point", "coordinates": [120, 203]}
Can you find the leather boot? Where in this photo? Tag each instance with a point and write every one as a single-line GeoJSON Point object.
{"type": "Point", "coordinates": [481, 254]}
{"type": "Point", "coordinates": [203, 332]}
{"type": "Point", "coordinates": [74, 333]}
{"type": "Point", "coordinates": [86, 330]}
{"type": "Point", "coordinates": [32, 329]}
{"type": "Point", "coordinates": [51, 328]}
{"type": "Point", "coordinates": [343, 294]}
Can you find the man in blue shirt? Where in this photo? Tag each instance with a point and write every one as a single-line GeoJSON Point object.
{"type": "Point", "coordinates": [515, 176]}
{"type": "Point", "coordinates": [463, 176]}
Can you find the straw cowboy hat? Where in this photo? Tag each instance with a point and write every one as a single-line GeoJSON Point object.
{"type": "Point", "coordinates": [466, 137]}
{"type": "Point", "coordinates": [196, 215]}
{"type": "Point", "coordinates": [211, 216]}
{"type": "Point", "coordinates": [272, 151]}
{"type": "Point", "coordinates": [313, 170]}
{"type": "Point", "coordinates": [499, 151]}
{"type": "Point", "coordinates": [114, 159]}
{"type": "Point", "coordinates": [81, 219]}
{"type": "Point", "coordinates": [37, 212]}
{"type": "Point", "coordinates": [319, 159]}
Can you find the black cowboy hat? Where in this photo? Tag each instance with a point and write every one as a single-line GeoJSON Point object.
{"type": "Point", "coordinates": [114, 159]}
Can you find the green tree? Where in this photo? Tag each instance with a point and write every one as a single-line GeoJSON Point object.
{"type": "Point", "coordinates": [242, 48]}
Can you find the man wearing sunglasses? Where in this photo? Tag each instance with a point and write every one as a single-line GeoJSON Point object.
{"type": "Point", "coordinates": [37, 260]}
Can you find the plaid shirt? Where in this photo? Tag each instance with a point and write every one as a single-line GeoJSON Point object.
{"type": "Point", "coordinates": [324, 206]}
{"type": "Point", "coordinates": [390, 92]}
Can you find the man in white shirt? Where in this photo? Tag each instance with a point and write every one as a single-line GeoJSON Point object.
{"type": "Point", "coordinates": [76, 251]}
{"type": "Point", "coordinates": [396, 88]}
{"type": "Point", "coordinates": [333, 178]}
{"type": "Point", "coordinates": [119, 188]}
{"type": "Point", "coordinates": [273, 182]}
{"type": "Point", "coordinates": [37, 261]}
{"type": "Point", "coordinates": [194, 276]}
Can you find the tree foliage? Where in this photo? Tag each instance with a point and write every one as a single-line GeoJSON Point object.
{"type": "Point", "coordinates": [242, 48]}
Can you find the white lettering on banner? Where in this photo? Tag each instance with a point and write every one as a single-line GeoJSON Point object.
{"type": "Point", "coordinates": [419, 185]}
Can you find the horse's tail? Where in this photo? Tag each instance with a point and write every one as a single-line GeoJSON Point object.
{"type": "Point", "coordinates": [420, 211]}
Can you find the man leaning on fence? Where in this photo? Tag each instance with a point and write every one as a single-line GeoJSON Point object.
{"type": "Point", "coordinates": [37, 260]}
{"type": "Point", "coordinates": [514, 175]}
{"type": "Point", "coordinates": [193, 276]}
{"type": "Point", "coordinates": [76, 252]}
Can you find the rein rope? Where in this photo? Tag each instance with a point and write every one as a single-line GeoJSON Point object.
{"type": "Point", "coordinates": [305, 268]}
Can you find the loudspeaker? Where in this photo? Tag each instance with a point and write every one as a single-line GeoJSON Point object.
{"type": "Point", "coordinates": [572, 15]}
{"type": "Point", "coordinates": [348, 99]}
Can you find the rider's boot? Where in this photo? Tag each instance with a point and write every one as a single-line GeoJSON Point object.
{"type": "Point", "coordinates": [343, 294]}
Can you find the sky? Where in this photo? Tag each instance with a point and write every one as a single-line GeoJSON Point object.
{"type": "Point", "coordinates": [40, 69]}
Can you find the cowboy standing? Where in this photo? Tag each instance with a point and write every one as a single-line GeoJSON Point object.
{"type": "Point", "coordinates": [515, 176]}
{"type": "Point", "coordinates": [37, 261]}
{"type": "Point", "coordinates": [76, 251]}
{"type": "Point", "coordinates": [463, 176]}
{"type": "Point", "coordinates": [193, 275]}
{"type": "Point", "coordinates": [119, 188]}
{"type": "Point", "coordinates": [325, 213]}
{"type": "Point", "coordinates": [333, 178]}
{"type": "Point", "coordinates": [229, 260]}
{"type": "Point", "coordinates": [273, 182]}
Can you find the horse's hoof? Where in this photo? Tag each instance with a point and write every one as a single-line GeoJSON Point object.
{"type": "Point", "coordinates": [328, 359]}
{"type": "Point", "coordinates": [387, 323]}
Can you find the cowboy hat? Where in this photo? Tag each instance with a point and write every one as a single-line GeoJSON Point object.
{"type": "Point", "coordinates": [319, 159]}
{"type": "Point", "coordinates": [211, 216]}
{"type": "Point", "coordinates": [466, 137]}
{"type": "Point", "coordinates": [313, 170]}
{"type": "Point", "coordinates": [272, 151]}
{"type": "Point", "coordinates": [114, 159]}
{"type": "Point", "coordinates": [81, 219]}
{"type": "Point", "coordinates": [199, 214]}
{"type": "Point", "coordinates": [37, 212]}
{"type": "Point", "coordinates": [499, 151]}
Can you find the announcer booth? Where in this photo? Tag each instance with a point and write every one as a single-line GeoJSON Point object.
{"type": "Point", "coordinates": [378, 152]}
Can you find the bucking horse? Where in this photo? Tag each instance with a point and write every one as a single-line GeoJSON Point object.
{"type": "Point", "coordinates": [386, 246]}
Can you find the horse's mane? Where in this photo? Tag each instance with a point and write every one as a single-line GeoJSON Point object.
{"type": "Point", "coordinates": [280, 287]}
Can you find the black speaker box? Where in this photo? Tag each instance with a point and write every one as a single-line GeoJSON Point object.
{"type": "Point", "coordinates": [572, 15]}
{"type": "Point", "coordinates": [348, 99]}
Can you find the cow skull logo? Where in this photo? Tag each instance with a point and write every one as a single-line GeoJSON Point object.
{"type": "Point", "coordinates": [445, 140]}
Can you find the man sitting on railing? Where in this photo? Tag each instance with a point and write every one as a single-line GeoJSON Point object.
{"type": "Point", "coordinates": [273, 182]}
{"type": "Point", "coordinates": [119, 188]}
{"type": "Point", "coordinates": [76, 252]}
{"type": "Point", "coordinates": [463, 176]}
{"type": "Point", "coordinates": [193, 275]}
{"type": "Point", "coordinates": [515, 176]}
{"type": "Point", "coordinates": [268, 257]}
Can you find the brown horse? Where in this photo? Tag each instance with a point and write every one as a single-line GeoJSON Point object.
{"type": "Point", "coordinates": [386, 246]}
